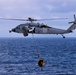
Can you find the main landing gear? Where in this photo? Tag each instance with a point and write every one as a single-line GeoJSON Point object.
{"type": "Point", "coordinates": [63, 36]}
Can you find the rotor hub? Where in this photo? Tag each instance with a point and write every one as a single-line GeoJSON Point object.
{"type": "Point", "coordinates": [31, 19]}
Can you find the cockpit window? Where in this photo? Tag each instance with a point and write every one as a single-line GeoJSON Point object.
{"type": "Point", "coordinates": [18, 27]}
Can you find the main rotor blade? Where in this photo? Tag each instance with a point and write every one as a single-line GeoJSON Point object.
{"type": "Point", "coordinates": [13, 19]}
{"type": "Point", "coordinates": [51, 19]}
{"type": "Point", "coordinates": [30, 19]}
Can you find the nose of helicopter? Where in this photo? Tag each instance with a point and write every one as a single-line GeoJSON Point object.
{"type": "Point", "coordinates": [13, 30]}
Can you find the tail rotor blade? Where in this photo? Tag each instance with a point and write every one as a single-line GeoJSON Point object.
{"type": "Point", "coordinates": [71, 22]}
{"type": "Point", "coordinates": [74, 17]}
{"type": "Point", "coordinates": [74, 20]}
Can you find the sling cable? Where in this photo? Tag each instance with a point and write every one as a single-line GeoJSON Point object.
{"type": "Point", "coordinates": [41, 62]}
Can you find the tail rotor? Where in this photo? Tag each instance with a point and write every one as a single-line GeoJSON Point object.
{"type": "Point", "coordinates": [73, 26]}
{"type": "Point", "coordinates": [74, 20]}
{"type": "Point", "coordinates": [74, 17]}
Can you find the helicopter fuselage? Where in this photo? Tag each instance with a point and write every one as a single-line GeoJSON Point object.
{"type": "Point", "coordinates": [37, 28]}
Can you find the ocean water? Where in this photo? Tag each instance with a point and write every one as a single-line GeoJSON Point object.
{"type": "Point", "coordinates": [19, 56]}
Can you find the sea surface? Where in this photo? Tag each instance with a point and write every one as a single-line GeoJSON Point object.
{"type": "Point", "coordinates": [19, 56]}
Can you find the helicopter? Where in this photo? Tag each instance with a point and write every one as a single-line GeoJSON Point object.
{"type": "Point", "coordinates": [37, 28]}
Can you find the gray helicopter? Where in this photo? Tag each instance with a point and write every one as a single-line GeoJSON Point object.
{"type": "Point", "coordinates": [40, 28]}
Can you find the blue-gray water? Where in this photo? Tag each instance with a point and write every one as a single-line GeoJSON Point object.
{"type": "Point", "coordinates": [18, 56]}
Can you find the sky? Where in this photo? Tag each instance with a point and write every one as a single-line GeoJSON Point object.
{"type": "Point", "coordinates": [40, 9]}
